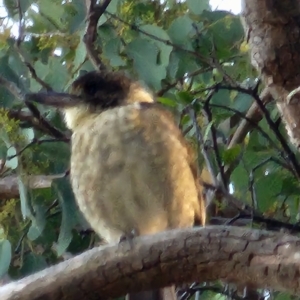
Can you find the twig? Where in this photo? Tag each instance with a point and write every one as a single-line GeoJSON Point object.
{"type": "Point", "coordinates": [206, 109]}
{"type": "Point", "coordinates": [25, 116]}
{"type": "Point", "coordinates": [36, 113]}
{"type": "Point", "coordinates": [38, 142]}
{"type": "Point", "coordinates": [167, 42]}
{"type": "Point", "coordinates": [253, 92]}
{"type": "Point", "coordinates": [94, 13]}
{"type": "Point", "coordinates": [173, 84]}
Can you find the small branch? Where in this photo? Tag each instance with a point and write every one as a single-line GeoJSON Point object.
{"type": "Point", "coordinates": [166, 42]}
{"type": "Point", "coordinates": [25, 116]}
{"type": "Point", "coordinates": [220, 165]}
{"type": "Point", "coordinates": [38, 142]}
{"type": "Point", "coordinates": [45, 124]}
{"type": "Point", "coordinates": [188, 76]}
{"type": "Point", "coordinates": [94, 13]}
{"type": "Point", "coordinates": [42, 123]}
{"type": "Point", "coordinates": [253, 92]}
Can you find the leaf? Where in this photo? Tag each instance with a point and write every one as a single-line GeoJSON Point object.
{"type": "Point", "coordinates": [242, 102]}
{"type": "Point", "coordinates": [184, 97]}
{"type": "Point", "coordinates": [112, 8]}
{"type": "Point", "coordinates": [28, 133]}
{"type": "Point", "coordinates": [267, 189]}
{"type": "Point", "coordinates": [38, 222]}
{"type": "Point", "coordinates": [112, 51]}
{"type": "Point", "coordinates": [167, 101]}
{"type": "Point", "coordinates": [24, 196]}
{"type": "Point", "coordinates": [5, 256]}
{"type": "Point", "coordinates": [165, 50]}
{"type": "Point", "coordinates": [230, 155]}
{"type": "Point", "coordinates": [185, 63]}
{"type": "Point", "coordinates": [58, 75]}
{"type": "Point", "coordinates": [13, 162]}
{"type": "Point", "coordinates": [80, 53]}
{"type": "Point", "coordinates": [77, 21]}
{"type": "Point", "coordinates": [207, 130]}
{"type": "Point", "coordinates": [197, 6]}
{"type": "Point", "coordinates": [148, 69]}
{"type": "Point", "coordinates": [179, 31]}
{"type": "Point", "coordinates": [47, 8]}
{"type": "Point", "coordinates": [32, 264]}
{"type": "Point", "coordinates": [69, 213]}
{"type": "Point", "coordinates": [221, 97]}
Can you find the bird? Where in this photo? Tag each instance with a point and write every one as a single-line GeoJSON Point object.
{"type": "Point", "coordinates": [131, 168]}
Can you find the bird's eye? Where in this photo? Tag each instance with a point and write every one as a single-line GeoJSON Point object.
{"type": "Point", "coordinates": [91, 88]}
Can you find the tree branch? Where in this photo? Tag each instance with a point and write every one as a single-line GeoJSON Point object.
{"type": "Point", "coordinates": [259, 259]}
{"type": "Point", "coordinates": [94, 13]}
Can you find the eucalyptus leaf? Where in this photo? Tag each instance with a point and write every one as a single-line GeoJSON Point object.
{"type": "Point", "coordinates": [5, 256]}
{"type": "Point", "coordinates": [69, 213]}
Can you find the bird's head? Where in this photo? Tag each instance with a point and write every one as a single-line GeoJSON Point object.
{"type": "Point", "coordinates": [92, 94]}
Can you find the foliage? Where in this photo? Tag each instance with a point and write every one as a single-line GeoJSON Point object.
{"type": "Point", "coordinates": [180, 50]}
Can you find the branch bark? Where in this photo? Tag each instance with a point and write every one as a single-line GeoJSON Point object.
{"type": "Point", "coordinates": [272, 30]}
{"type": "Point", "coordinates": [252, 258]}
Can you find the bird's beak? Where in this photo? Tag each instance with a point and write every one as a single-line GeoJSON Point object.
{"type": "Point", "coordinates": [60, 100]}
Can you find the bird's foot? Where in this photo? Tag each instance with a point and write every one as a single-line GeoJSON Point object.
{"type": "Point", "coordinates": [128, 237]}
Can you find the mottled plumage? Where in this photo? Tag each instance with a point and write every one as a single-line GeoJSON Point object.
{"type": "Point", "coordinates": [130, 166]}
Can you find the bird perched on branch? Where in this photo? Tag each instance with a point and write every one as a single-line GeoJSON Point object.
{"type": "Point", "coordinates": [131, 168]}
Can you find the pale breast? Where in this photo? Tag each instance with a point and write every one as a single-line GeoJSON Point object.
{"type": "Point", "coordinates": [130, 170]}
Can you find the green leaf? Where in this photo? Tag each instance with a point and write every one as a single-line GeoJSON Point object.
{"type": "Point", "coordinates": [13, 162]}
{"type": "Point", "coordinates": [38, 222]}
{"type": "Point", "coordinates": [5, 256]}
{"type": "Point", "coordinates": [185, 97]}
{"type": "Point", "coordinates": [230, 155]}
{"type": "Point", "coordinates": [207, 130]}
{"type": "Point", "coordinates": [197, 6]}
{"type": "Point", "coordinates": [183, 63]}
{"type": "Point", "coordinates": [80, 53]}
{"type": "Point", "coordinates": [77, 21]}
{"type": "Point", "coordinates": [24, 196]}
{"type": "Point", "coordinates": [28, 133]}
{"type": "Point", "coordinates": [112, 8]}
{"type": "Point", "coordinates": [165, 50]}
{"type": "Point", "coordinates": [148, 69]}
{"type": "Point", "coordinates": [267, 189]}
{"type": "Point", "coordinates": [180, 30]}
{"type": "Point", "coordinates": [47, 9]}
{"type": "Point", "coordinates": [32, 264]}
{"type": "Point", "coordinates": [69, 213]}
{"type": "Point", "coordinates": [167, 101]}
{"type": "Point", "coordinates": [242, 102]}
{"type": "Point", "coordinates": [58, 75]}
{"type": "Point", "coordinates": [221, 97]}
{"type": "Point", "coordinates": [112, 51]}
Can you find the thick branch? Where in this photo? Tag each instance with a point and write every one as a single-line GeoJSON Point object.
{"type": "Point", "coordinates": [252, 258]}
{"type": "Point", "coordinates": [272, 30]}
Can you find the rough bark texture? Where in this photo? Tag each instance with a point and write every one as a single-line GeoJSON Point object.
{"type": "Point", "coordinates": [272, 28]}
{"type": "Point", "coordinates": [252, 258]}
